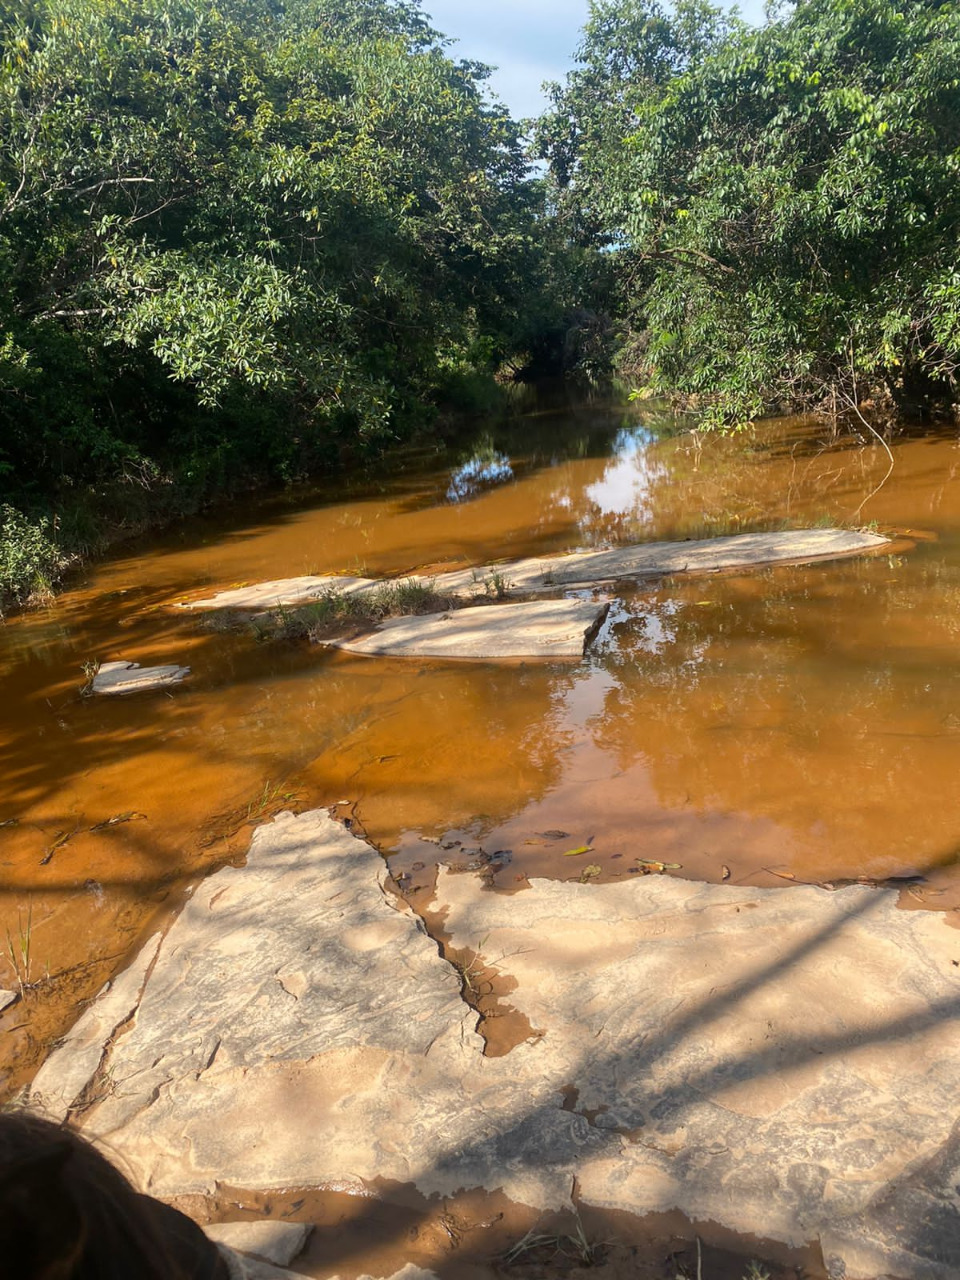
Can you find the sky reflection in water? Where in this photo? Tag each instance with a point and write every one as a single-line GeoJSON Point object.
{"type": "Point", "coordinates": [482, 471]}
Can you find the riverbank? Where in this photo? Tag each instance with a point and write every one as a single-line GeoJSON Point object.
{"type": "Point", "coordinates": [44, 541]}
{"type": "Point", "coordinates": [706, 727]}
{"type": "Point", "coordinates": [808, 1100]}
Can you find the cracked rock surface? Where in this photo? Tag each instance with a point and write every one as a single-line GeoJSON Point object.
{"type": "Point", "coordinates": [784, 1062]}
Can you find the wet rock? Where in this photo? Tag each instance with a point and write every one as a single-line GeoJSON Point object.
{"type": "Point", "coordinates": [580, 568]}
{"type": "Point", "coordinates": [781, 1062]}
{"type": "Point", "coordinates": [538, 629]}
{"type": "Point", "coordinates": [481, 861]}
{"type": "Point", "coordinates": [130, 677]}
{"type": "Point", "coordinates": [274, 1241]}
{"type": "Point", "coordinates": [655, 559]}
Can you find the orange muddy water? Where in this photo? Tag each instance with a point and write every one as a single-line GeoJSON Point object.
{"type": "Point", "coordinates": [790, 722]}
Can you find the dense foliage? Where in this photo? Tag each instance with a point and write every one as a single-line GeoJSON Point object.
{"type": "Point", "coordinates": [239, 240]}
{"type": "Point", "coordinates": [782, 205]}
{"type": "Point", "coordinates": [240, 235]}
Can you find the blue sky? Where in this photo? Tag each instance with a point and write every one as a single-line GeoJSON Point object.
{"type": "Point", "coordinates": [529, 41]}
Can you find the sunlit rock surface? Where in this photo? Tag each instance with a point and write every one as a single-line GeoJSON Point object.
{"type": "Point", "coordinates": [580, 568]}
{"type": "Point", "coordinates": [536, 629]}
{"type": "Point", "coordinates": [274, 1241]}
{"type": "Point", "coordinates": [65, 1074]}
{"type": "Point", "coordinates": [783, 1062]}
{"type": "Point", "coordinates": [130, 677]}
{"type": "Point", "coordinates": [654, 559]}
{"type": "Point", "coordinates": [283, 591]}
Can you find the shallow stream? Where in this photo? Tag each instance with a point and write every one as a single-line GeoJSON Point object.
{"type": "Point", "coordinates": [796, 722]}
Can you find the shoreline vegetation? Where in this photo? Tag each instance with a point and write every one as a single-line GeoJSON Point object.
{"type": "Point", "coordinates": [243, 245]}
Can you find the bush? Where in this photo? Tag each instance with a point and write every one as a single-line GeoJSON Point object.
{"type": "Point", "coordinates": [30, 559]}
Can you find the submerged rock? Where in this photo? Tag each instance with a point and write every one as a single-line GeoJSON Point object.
{"type": "Point", "coordinates": [780, 1061]}
{"type": "Point", "coordinates": [537, 629]}
{"type": "Point", "coordinates": [130, 677]}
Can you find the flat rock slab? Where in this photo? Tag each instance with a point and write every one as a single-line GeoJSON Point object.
{"type": "Point", "coordinates": [580, 568]}
{"type": "Point", "coordinates": [130, 677]}
{"type": "Point", "coordinates": [655, 559]}
{"type": "Point", "coordinates": [6, 999]}
{"type": "Point", "coordinates": [536, 629]}
{"type": "Point", "coordinates": [292, 1003]}
{"type": "Point", "coordinates": [244, 1266]}
{"type": "Point", "coordinates": [65, 1074]}
{"type": "Point", "coordinates": [783, 1062]}
{"type": "Point", "coordinates": [283, 591]}
{"type": "Point", "coordinates": [273, 1240]}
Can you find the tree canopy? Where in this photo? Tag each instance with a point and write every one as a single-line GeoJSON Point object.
{"type": "Point", "coordinates": [782, 203]}
{"type": "Point", "coordinates": [245, 227]}
{"type": "Point", "coordinates": [238, 238]}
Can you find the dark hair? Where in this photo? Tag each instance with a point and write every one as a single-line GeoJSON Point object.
{"type": "Point", "coordinates": [67, 1214]}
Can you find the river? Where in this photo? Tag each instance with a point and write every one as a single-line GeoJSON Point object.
{"type": "Point", "coordinates": [797, 722]}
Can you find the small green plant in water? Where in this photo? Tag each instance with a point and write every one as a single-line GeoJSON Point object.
{"type": "Point", "coordinates": [543, 1246]}
{"type": "Point", "coordinates": [754, 1271]}
{"type": "Point", "coordinates": [19, 948]}
{"type": "Point", "coordinates": [470, 970]}
{"type": "Point", "coordinates": [90, 669]}
{"type": "Point", "coordinates": [271, 795]}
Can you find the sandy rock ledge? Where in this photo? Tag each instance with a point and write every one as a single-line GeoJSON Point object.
{"type": "Point", "coordinates": [782, 1062]}
{"type": "Point", "coordinates": [576, 569]}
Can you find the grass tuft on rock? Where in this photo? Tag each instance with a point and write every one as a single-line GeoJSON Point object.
{"type": "Point", "coordinates": [335, 612]}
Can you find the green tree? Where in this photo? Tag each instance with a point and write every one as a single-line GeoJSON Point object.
{"type": "Point", "coordinates": [782, 203]}
{"type": "Point", "coordinates": [237, 235]}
